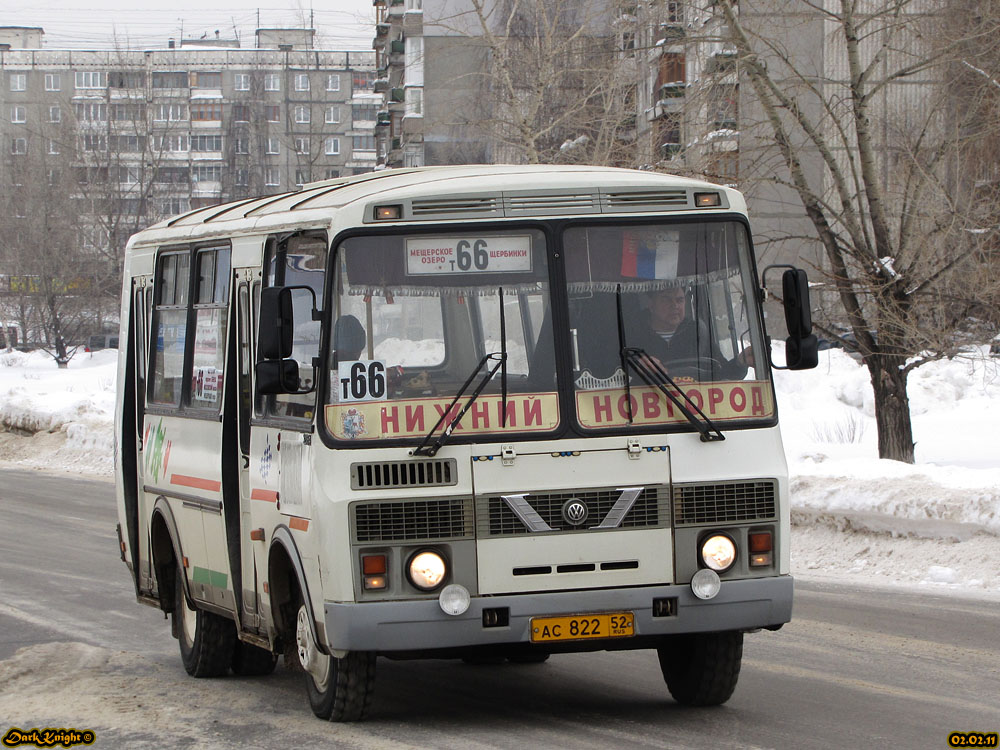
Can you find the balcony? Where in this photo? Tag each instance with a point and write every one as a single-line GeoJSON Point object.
{"type": "Point", "coordinates": [396, 9]}
{"type": "Point", "coordinates": [383, 119]}
{"type": "Point", "coordinates": [397, 47]}
{"type": "Point", "coordinates": [672, 90]}
{"type": "Point", "coordinates": [669, 150]}
{"type": "Point", "coordinates": [380, 85]}
{"type": "Point", "coordinates": [397, 95]}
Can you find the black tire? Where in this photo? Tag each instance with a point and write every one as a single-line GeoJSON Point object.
{"type": "Point", "coordinates": [251, 661]}
{"type": "Point", "coordinates": [348, 689]}
{"type": "Point", "coordinates": [702, 669]}
{"type": "Point", "coordinates": [206, 640]}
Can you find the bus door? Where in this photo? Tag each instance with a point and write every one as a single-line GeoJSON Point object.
{"type": "Point", "coordinates": [133, 472]}
{"type": "Point", "coordinates": [253, 550]}
{"type": "Point", "coordinates": [282, 436]}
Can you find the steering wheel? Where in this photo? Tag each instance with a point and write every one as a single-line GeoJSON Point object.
{"type": "Point", "coordinates": [699, 368]}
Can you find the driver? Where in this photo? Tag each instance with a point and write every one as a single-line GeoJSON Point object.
{"type": "Point", "coordinates": [672, 337]}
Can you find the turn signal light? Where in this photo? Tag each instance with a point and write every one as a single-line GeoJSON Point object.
{"type": "Point", "coordinates": [374, 569]}
{"type": "Point", "coordinates": [388, 213]}
{"type": "Point", "coordinates": [760, 548]}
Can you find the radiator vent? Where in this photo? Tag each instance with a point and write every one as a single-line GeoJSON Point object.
{"type": "Point", "coordinates": [528, 205]}
{"type": "Point", "coordinates": [724, 502]}
{"type": "Point", "coordinates": [471, 205]}
{"type": "Point", "coordinates": [413, 520]}
{"type": "Point", "coordinates": [497, 519]}
{"type": "Point", "coordinates": [644, 200]}
{"type": "Point", "coordinates": [387, 475]}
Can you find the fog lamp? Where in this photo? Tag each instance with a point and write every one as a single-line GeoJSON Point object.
{"type": "Point", "coordinates": [705, 584]}
{"type": "Point", "coordinates": [454, 599]}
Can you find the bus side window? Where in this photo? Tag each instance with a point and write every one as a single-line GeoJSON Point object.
{"type": "Point", "coordinates": [169, 328]}
{"type": "Point", "coordinates": [211, 308]}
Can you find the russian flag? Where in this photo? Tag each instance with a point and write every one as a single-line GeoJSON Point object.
{"type": "Point", "coordinates": [648, 256]}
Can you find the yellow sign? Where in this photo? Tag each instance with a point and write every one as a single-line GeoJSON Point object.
{"type": "Point", "coordinates": [48, 737]}
{"type": "Point", "coordinates": [721, 402]}
{"type": "Point", "coordinates": [374, 420]}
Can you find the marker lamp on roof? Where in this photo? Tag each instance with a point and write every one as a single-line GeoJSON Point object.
{"type": "Point", "coordinates": [707, 200]}
{"type": "Point", "coordinates": [388, 213]}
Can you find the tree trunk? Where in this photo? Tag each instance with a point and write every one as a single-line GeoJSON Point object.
{"type": "Point", "coordinates": [892, 410]}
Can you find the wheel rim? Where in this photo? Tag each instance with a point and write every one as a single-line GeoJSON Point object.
{"type": "Point", "coordinates": [315, 663]}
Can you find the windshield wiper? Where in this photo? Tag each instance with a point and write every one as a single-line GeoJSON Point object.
{"type": "Point", "coordinates": [652, 373]}
{"type": "Point", "coordinates": [500, 358]}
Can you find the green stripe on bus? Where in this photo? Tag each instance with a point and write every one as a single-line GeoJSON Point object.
{"type": "Point", "coordinates": [209, 577]}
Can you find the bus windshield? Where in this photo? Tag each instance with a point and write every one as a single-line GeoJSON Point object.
{"type": "Point", "coordinates": [678, 296]}
{"type": "Point", "coordinates": [414, 316]}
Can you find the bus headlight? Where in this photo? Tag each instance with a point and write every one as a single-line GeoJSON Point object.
{"type": "Point", "coordinates": [718, 552]}
{"type": "Point", "coordinates": [426, 570]}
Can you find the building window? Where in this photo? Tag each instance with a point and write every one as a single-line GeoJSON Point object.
{"type": "Point", "coordinates": [413, 156]}
{"type": "Point", "coordinates": [91, 112]}
{"type": "Point", "coordinates": [207, 173]}
{"type": "Point", "coordinates": [272, 82]}
{"type": "Point", "coordinates": [273, 146]}
{"type": "Point", "coordinates": [171, 206]}
{"type": "Point", "coordinates": [272, 176]}
{"type": "Point", "coordinates": [242, 177]}
{"type": "Point", "coordinates": [363, 79]}
{"type": "Point", "coordinates": [361, 112]}
{"type": "Point", "coordinates": [333, 82]}
{"type": "Point", "coordinates": [241, 81]}
{"type": "Point", "coordinates": [206, 111]}
{"type": "Point", "coordinates": [202, 80]}
{"type": "Point", "coordinates": [170, 143]}
{"type": "Point", "coordinates": [94, 143]}
{"type": "Point", "coordinates": [127, 144]}
{"type": "Point", "coordinates": [364, 143]}
{"type": "Point", "coordinates": [301, 81]}
{"type": "Point", "coordinates": [302, 114]}
{"type": "Point", "coordinates": [18, 81]}
{"type": "Point", "coordinates": [415, 102]}
{"type": "Point", "coordinates": [91, 79]}
{"type": "Point", "coordinates": [332, 114]}
{"type": "Point", "coordinates": [18, 113]}
{"type": "Point", "coordinates": [128, 175]}
{"type": "Point", "coordinates": [170, 176]}
{"type": "Point", "coordinates": [55, 114]}
{"type": "Point", "coordinates": [331, 146]}
{"type": "Point", "coordinates": [415, 5]}
{"type": "Point", "coordinates": [301, 177]}
{"type": "Point", "coordinates": [128, 113]}
{"type": "Point", "coordinates": [272, 113]}
{"type": "Point", "coordinates": [242, 144]}
{"type": "Point", "coordinates": [302, 145]}
{"type": "Point", "coordinates": [170, 80]}
{"type": "Point", "coordinates": [169, 112]}
{"type": "Point", "coordinates": [53, 82]}
{"type": "Point", "coordinates": [331, 174]}
{"type": "Point", "coordinates": [241, 113]}
{"type": "Point", "coordinates": [53, 146]}
{"type": "Point", "coordinates": [415, 60]}
{"type": "Point", "coordinates": [122, 79]}
{"type": "Point", "coordinates": [206, 143]}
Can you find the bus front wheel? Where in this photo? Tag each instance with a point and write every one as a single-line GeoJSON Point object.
{"type": "Point", "coordinates": [340, 689]}
{"type": "Point", "coordinates": [701, 669]}
{"type": "Point", "coordinates": [207, 640]}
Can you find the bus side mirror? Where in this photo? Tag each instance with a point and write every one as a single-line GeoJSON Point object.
{"type": "Point", "coordinates": [274, 334]}
{"type": "Point", "coordinates": [801, 346]}
{"type": "Point", "coordinates": [278, 376]}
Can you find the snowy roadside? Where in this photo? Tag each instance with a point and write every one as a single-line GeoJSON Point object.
{"type": "Point", "coordinates": [855, 518]}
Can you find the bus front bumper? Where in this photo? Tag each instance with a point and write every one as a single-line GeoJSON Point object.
{"type": "Point", "coordinates": [422, 625]}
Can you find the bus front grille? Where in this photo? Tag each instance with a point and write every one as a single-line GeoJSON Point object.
{"type": "Point", "coordinates": [412, 520]}
{"type": "Point", "coordinates": [724, 502]}
{"type": "Point", "coordinates": [496, 518]}
{"type": "Point", "coordinates": [386, 475]}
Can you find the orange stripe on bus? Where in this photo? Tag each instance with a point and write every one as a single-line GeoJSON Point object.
{"type": "Point", "coordinates": [299, 523]}
{"type": "Point", "coordinates": [268, 496]}
{"type": "Point", "coordinates": [197, 482]}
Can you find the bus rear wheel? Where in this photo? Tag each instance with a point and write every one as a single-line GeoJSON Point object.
{"type": "Point", "coordinates": [340, 689]}
{"type": "Point", "coordinates": [206, 640]}
{"type": "Point", "coordinates": [702, 669]}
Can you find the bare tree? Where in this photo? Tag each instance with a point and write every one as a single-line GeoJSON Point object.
{"type": "Point", "coordinates": [870, 135]}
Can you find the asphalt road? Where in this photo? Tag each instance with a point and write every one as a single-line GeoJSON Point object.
{"type": "Point", "coordinates": [856, 667]}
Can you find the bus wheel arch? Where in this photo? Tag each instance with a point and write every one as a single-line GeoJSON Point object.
{"type": "Point", "coordinates": [166, 557]}
{"type": "Point", "coordinates": [287, 588]}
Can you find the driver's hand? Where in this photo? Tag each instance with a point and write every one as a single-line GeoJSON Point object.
{"type": "Point", "coordinates": [746, 356]}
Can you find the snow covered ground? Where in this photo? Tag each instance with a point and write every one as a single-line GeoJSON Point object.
{"type": "Point", "coordinates": [856, 518]}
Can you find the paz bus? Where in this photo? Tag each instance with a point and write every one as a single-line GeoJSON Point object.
{"type": "Point", "coordinates": [428, 413]}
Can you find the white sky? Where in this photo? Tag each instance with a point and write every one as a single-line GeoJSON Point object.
{"type": "Point", "coordinates": [339, 24]}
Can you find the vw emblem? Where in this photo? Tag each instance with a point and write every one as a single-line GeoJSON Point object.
{"type": "Point", "coordinates": [574, 511]}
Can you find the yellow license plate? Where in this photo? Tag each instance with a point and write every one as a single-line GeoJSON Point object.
{"type": "Point", "coordinates": [579, 627]}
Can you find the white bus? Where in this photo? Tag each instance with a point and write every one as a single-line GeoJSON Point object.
{"type": "Point", "coordinates": [460, 412]}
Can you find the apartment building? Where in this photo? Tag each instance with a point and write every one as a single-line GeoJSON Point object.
{"type": "Point", "coordinates": [189, 125]}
